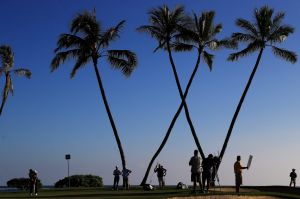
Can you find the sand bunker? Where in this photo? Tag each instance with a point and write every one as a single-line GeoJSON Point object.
{"type": "Point", "coordinates": [226, 197]}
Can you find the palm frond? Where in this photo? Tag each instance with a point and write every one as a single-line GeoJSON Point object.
{"type": "Point", "coordinates": [66, 41]}
{"type": "Point", "coordinates": [164, 22]}
{"type": "Point", "coordinates": [208, 58]}
{"type": "Point", "coordinates": [179, 47]}
{"type": "Point", "coordinates": [186, 35]}
{"type": "Point", "coordinates": [154, 31]}
{"type": "Point", "coordinates": [111, 34]}
{"type": "Point", "coordinates": [264, 20]}
{"type": "Point", "coordinates": [252, 47]}
{"type": "Point", "coordinates": [277, 20]}
{"type": "Point", "coordinates": [23, 72]}
{"type": "Point", "coordinates": [178, 14]}
{"type": "Point", "coordinates": [82, 60]}
{"type": "Point", "coordinates": [280, 34]}
{"type": "Point", "coordinates": [161, 45]}
{"type": "Point", "coordinates": [85, 23]}
{"type": "Point", "coordinates": [123, 60]}
{"type": "Point", "coordinates": [207, 21]}
{"type": "Point", "coordinates": [215, 30]}
{"type": "Point", "coordinates": [6, 56]}
{"type": "Point", "coordinates": [61, 57]}
{"type": "Point", "coordinates": [227, 43]}
{"type": "Point", "coordinates": [242, 37]}
{"type": "Point", "coordinates": [247, 26]}
{"type": "Point", "coordinates": [285, 54]}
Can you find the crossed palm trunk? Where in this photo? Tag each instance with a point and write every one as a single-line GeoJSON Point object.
{"type": "Point", "coordinates": [183, 104]}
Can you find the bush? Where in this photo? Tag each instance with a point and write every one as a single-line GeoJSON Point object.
{"type": "Point", "coordinates": [80, 181]}
{"type": "Point", "coordinates": [21, 183]}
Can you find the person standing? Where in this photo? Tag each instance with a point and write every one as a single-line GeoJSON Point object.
{"type": "Point", "coordinates": [161, 173]}
{"type": "Point", "coordinates": [125, 174]}
{"type": "Point", "coordinates": [293, 176]}
{"type": "Point", "coordinates": [195, 163]}
{"type": "Point", "coordinates": [207, 165]}
{"type": "Point", "coordinates": [116, 174]}
{"type": "Point", "coordinates": [33, 182]}
{"type": "Point", "coordinates": [238, 173]}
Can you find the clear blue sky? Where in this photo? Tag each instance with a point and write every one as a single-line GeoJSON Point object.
{"type": "Point", "coordinates": [52, 115]}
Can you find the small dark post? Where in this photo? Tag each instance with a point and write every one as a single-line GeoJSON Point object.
{"type": "Point", "coordinates": [68, 157]}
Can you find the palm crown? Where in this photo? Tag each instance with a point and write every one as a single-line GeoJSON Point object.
{"type": "Point", "coordinates": [164, 24]}
{"type": "Point", "coordinates": [266, 31]}
{"type": "Point", "coordinates": [7, 63]}
{"type": "Point", "coordinates": [200, 33]}
{"type": "Point", "coordinates": [87, 42]}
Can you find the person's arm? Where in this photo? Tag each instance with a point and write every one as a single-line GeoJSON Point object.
{"type": "Point", "coordinates": [190, 162]}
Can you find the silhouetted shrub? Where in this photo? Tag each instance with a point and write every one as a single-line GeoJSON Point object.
{"type": "Point", "coordinates": [80, 181]}
{"type": "Point", "coordinates": [21, 183]}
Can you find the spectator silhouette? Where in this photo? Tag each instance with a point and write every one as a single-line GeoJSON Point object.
{"type": "Point", "coordinates": [161, 173]}
{"type": "Point", "coordinates": [293, 176]}
{"type": "Point", "coordinates": [116, 174]}
{"type": "Point", "coordinates": [195, 163]}
{"type": "Point", "coordinates": [125, 174]}
{"type": "Point", "coordinates": [33, 182]}
{"type": "Point", "coordinates": [207, 165]}
{"type": "Point", "coordinates": [238, 174]}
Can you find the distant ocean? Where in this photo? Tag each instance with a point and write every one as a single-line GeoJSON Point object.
{"type": "Point", "coordinates": [9, 189]}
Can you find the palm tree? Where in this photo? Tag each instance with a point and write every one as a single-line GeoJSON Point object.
{"type": "Point", "coordinates": [164, 28]}
{"type": "Point", "coordinates": [6, 69]}
{"type": "Point", "coordinates": [266, 31]}
{"type": "Point", "coordinates": [88, 42]}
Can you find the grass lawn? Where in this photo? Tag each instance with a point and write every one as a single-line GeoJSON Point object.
{"type": "Point", "coordinates": [137, 193]}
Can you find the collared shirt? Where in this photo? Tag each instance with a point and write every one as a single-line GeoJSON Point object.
{"type": "Point", "coordinates": [237, 167]}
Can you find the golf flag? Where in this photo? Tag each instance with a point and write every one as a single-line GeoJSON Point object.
{"type": "Point", "coordinates": [249, 161]}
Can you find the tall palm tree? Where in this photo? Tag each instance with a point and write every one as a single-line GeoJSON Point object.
{"type": "Point", "coordinates": [164, 27]}
{"type": "Point", "coordinates": [6, 69]}
{"type": "Point", "coordinates": [88, 42]}
{"type": "Point", "coordinates": [266, 31]}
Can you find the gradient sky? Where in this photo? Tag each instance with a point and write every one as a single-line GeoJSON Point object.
{"type": "Point", "coordinates": [52, 115]}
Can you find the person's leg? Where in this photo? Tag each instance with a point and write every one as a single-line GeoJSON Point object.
{"type": "Point", "coordinates": [208, 178]}
{"type": "Point", "coordinates": [30, 188]}
{"type": "Point", "coordinates": [117, 183]}
{"type": "Point", "coordinates": [200, 182]}
{"type": "Point", "coordinates": [125, 183]}
{"type": "Point", "coordinates": [237, 188]}
{"type": "Point", "coordinates": [159, 182]}
{"type": "Point", "coordinates": [194, 180]}
{"type": "Point", "coordinates": [203, 181]}
{"type": "Point", "coordinates": [35, 188]}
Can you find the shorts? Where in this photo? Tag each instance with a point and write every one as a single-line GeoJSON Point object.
{"type": "Point", "coordinates": [195, 177]}
{"type": "Point", "coordinates": [238, 179]}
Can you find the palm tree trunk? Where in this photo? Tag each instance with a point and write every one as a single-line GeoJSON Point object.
{"type": "Point", "coordinates": [236, 113]}
{"type": "Point", "coordinates": [5, 91]}
{"type": "Point", "coordinates": [173, 120]}
{"type": "Point", "coordinates": [109, 114]}
{"type": "Point", "coordinates": [2, 105]}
